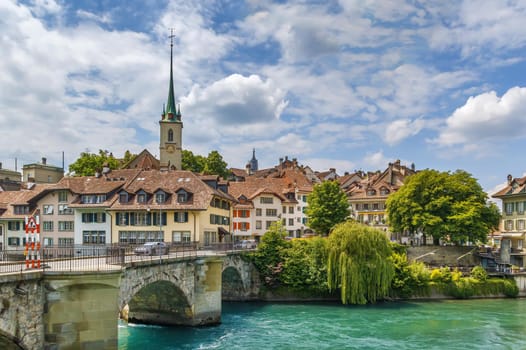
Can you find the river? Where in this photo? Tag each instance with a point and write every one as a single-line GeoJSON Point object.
{"type": "Point", "coordinates": [459, 324]}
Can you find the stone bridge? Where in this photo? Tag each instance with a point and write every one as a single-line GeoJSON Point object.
{"type": "Point", "coordinates": [48, 309]}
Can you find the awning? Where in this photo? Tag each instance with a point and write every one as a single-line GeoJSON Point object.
{"type": "Point", "coordinates": [512, 234]}
{"type": "Point", "coordinates": [221, 231]}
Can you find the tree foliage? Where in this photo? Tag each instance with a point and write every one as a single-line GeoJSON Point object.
{"type": "Point", "coordinates": [89, 163]}
{"type": "Point", "coordinates": [359, 263]}
{"type": "Point", "coordinates": [211, 165]}
{"type": "Point", "coordinates": [444, 205]}
{"type": "Point", "coordinates": [268, 258]}
{"type": "Point", "coordinates": [191, 162]}
{"type": "Point", "coordinates": [215, 165]}
{"type": "Point", "coordinates": [327, 206]}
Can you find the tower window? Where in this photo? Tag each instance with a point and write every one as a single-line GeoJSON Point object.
{"type": "Point", "coordinates": [170, 135]}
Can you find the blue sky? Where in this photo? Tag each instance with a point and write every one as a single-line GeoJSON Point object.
{"type": "Point", "coordinates": [347, 84]}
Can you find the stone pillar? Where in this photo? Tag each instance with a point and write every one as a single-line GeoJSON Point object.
{"type": "Point", "coordinates": [207, 305]}
{"type": "Point", "coordinates": [81, 310]}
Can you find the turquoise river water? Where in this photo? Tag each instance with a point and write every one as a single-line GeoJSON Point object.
{"type": "Point", "coordinates": [460, 324]}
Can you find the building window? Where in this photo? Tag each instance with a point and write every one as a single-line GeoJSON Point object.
{"type": "Point", "coordinates": [376, 206]}
{"type": "Point", "coordinates": [181, 197]}
{"type": "Point", "coordinates": [268, 224]}
{"type": "Point", "coordinates": [13, 241]}
{"type": "Point", "coordinates": [21, 209]}
{"type": "Point", "coordinates": [94, 237]}
{"type": "Point", "coordinates": [47, 226]}
{"type": "Point", "coordinates": [519, 244]}
{"type": "Point", "coordinates": [291, 222]}
{"type": "Point", "coordinates": [65, 242]}
{"type": "Point", "coordinates": [13, 225]}
{"type": "Point", "coordinates": [160, 197]}
{"type": "Point", "coordinates": [181, 237]}
{"type": "Point", "coordinates": [509, 225]}
{"type": "Point", "coordinates": [93, 217]}
{"type": "Point", "coordinates": [139, 237]}
{"type": "Point", "coordinates": [63, 209]}
{"type": "Point", "coordinates": [520, 224]}
{"type": "Point", "coordinates": [284, 210]}
{"type": "Point", "coordinates": [141, 198]}
{"type": "Point", "coordinates": [371, 192]}
{"type": "Point", "coordinates": [170, 135]}
{"type": "Point", "coordinates": [366, 206]}
{"type": "Point", "coordinates": [509, 208]}
{"type": "Point", "coordinates": [48, 209]}
{"type": "Point", "coordinates": [304, 199]}
{"type": "Point", "coordinates": [304, 221]}
{"type": "Point", "coordinates": [258, 211]}
{"type": "Point", "coordinates": [291, 210]}
{"type": "Point", "coordinates": [63, 196]}
{"type": "Point", "coordinates": [520, 207]}
{"type": "Point", "coordinates": [123, 198]}
{"type": "Point", "coordinates": [384, 191]}
{"type": "Point", "coordinates": [181, 216]}
{"type": "Point", "coordinates": [258, 224]}
{"type": "Point", "coordinates": [266, 200]}
{"type": "Point", "coordinates": [271, 212]}
{"type": "Point", "coordinates": [65, 225]}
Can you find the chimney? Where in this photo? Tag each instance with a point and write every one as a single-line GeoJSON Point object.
{"type": "Point", "coordinates": [413, 166]}
{"type": "Point", "coordinates": [44, 160]}
{"type": "Point", "coordinates": [509, 179]}
{"type": "Point", "coordinates": [248, 169]}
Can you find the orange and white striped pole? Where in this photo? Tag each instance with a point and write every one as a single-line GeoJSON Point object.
{"type": "Point", "coordinates": [26, 251]}
{"type": "Point", "coordinates": [38, 241]}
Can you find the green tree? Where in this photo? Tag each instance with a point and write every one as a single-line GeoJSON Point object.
{"type": "Point", "coordinates": [327, 206]}
{"type": "Point", "coordinates": [89, 163]}
{"type": "Point", "coordinates": [359, 263]}
{"type": "Point", "coordinates": [444, 205]}
{"type": "Point", "coordinates": [215, 165]}
{"type": "Point", "coordinates": [269, 256]}
{"type": "Point", "coordinates": [191, 162]}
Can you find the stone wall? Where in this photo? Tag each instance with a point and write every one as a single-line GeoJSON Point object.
{"type": "Point", "coordinates": [21, 310]}
{"type": "Point", "coordinates": [461, 256]}
{"type": "Point", "coordinates": [81, 310]}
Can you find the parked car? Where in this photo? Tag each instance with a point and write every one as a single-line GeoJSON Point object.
{"type": "Point", "coordinates": [152, 248]}
{"type": "Point", "coordinates": [246, 244]}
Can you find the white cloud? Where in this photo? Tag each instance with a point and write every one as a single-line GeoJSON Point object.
{"type": "Point", "coordinates": [486, 117]}
{"type": "Point", "coordinates": [374, 161]}
{"type": "Point", "coordinates": [399, 130]}
{"type": "Point", "coordinates": [236, 100]}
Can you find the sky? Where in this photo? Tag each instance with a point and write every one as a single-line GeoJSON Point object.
{"type": "Point", "coordinates": [348, 84]}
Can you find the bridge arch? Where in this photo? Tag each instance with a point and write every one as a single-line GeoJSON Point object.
{"type": "Point", "coordinates": [161, 294]}
{"type": "Point", "coordinates": [240, 278]}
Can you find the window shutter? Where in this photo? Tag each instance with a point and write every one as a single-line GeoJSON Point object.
{"type": "Point", "coordinates": [185, 216]}
{"type": "Point", "coordinates": [248, 225]}
{"type": "Point", "coordinates": [235, 213]}
{"type": "Point", "coordinates": [118, 219]}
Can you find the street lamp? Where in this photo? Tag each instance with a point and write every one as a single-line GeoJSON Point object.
{"type": "Point", "coordinates": [160, 224]}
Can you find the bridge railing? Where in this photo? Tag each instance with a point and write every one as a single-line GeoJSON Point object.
{"type": "Point", "coordinates": [104, 257]}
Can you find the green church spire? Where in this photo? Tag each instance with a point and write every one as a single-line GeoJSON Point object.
{"type": "Point", "coordinates": [170, 104]}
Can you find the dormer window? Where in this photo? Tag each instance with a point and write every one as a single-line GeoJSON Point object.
{"type": "Point", "coordinates": [160, 197]}
{"type": "Point", "coordinates": [141, 198]}
{"type": "Point", "coordinates": [182, 196]}
{"type": "Point", "coordinates": [123, 197]}
{"type": "Point", "coordinates": [371, 192]}
{"type": "Point", "coordinates": [384, 191]}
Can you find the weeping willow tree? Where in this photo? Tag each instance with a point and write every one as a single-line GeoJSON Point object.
{"type": "Point", "coordinates": [359, 263]}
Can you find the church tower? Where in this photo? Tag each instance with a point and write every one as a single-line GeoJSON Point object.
{"type": "Point", "coordinates": [171, 126]}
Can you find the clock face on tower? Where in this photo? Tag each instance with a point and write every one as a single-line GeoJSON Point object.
{"type": "Point", "coordinates": [170, 149]}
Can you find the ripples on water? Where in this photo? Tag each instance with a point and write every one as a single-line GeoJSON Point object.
{"type": "Point", "coordinates": [471, 324]}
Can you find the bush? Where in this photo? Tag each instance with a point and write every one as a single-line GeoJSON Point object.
{"type": "Point", "coordinates": [441, 275]}
{"type": "Point", "coordinates": [479, 273]}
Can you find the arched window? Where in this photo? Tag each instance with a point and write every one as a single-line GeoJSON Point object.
{"type": "Point", "coordinates": [170, 135]}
